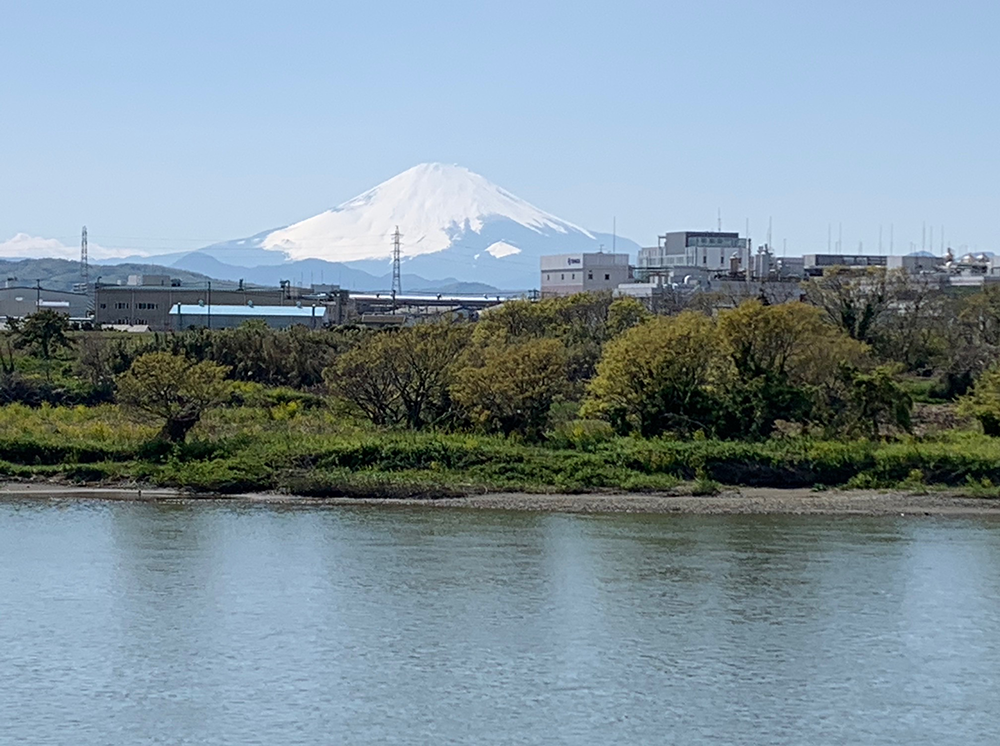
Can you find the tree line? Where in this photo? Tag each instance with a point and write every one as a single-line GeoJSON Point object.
{"type": "Point", "coordinates": [841, 364]}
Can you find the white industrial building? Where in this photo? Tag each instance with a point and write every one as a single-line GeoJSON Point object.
{"type": "Point", "coordinates": [186, 315]}
{"type": "Point", "coordinates": [706, 250]}
{"type": "Point", "coordinates": [568, 274]}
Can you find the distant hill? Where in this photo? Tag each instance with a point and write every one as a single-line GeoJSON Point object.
{"type": "Point", "coordinates": [63, 274]}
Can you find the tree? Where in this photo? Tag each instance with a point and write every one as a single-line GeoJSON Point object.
{"type": "Point", "coordinates": [853, 301]}
{"type": "Point", "coordinates": [983, 402]}
{"type": "Point", "coordinates": [362, 377]}
{"type": "Point", "coordinates": [624, 313]}
{"type": "Point", "coordinates": [658, 377]}
{"type": "Point", "coordinates": [509, 387]}
{"type": "Point", "coordinates": [173, 388]}
{"type": "Point", "coordinates": [402, 376]}
{"type": "Point", "coordinates": [42, 334]}
{"type": "Point", "coordinates": [876, 400]}
{"type": "Point", "coordinates": [779, 359]}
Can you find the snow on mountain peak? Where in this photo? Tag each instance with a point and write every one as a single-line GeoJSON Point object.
{"type": "Point", "coordinates": [433, 204]}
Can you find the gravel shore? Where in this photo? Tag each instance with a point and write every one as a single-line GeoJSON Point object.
{"type": "Point", "coordinates": [729, 502]}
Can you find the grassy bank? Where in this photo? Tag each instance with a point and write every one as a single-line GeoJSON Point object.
{"type": "Point", "coordinates": [318, 452]}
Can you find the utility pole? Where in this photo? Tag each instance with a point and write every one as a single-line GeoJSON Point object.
{"type": "Point", "coordinates": [84, 262]}
{"type": "Point", "coordinates": [397, 281]}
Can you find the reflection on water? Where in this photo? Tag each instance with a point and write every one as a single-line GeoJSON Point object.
{"type": "Point", "coordinates": [220, 623]}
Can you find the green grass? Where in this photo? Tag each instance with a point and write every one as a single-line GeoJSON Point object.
{"type": "Point", "coordinates": [291, 445]}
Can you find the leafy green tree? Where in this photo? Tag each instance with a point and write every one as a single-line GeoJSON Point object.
{"type": "Point", "coordinates": [778, 362]}
{"type": "Point", "coordinates": [623, 314]}
{"type": "Point", "coordinates": [658, 377]}
{"type": "Point", "coordinates": [509, 387]}
{"type": "Point", "coordinates": [174, 389]}
{"type": "Point", "coordinates": [876, 400]}
{"type": "Point", "coordinates": [42, 334]}
{"type": "Point", "coordinates": [983, 401]}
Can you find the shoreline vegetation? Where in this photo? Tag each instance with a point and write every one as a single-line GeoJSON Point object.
{"type": "Point", "coordinates": [875, 386]}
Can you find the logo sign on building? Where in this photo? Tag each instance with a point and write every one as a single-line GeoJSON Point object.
{"type": "Point", "coordinates": [572, 260]}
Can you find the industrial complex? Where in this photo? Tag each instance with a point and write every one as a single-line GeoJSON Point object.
{"type": "Point", "coordinates": [681, 265]}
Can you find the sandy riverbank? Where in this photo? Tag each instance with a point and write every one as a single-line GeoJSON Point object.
{"type": "Point", "coordinates": [733, 501]}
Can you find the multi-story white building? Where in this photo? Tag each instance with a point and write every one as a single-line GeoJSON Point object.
{"type": "Point", "coordinates": [567, 274]}
{"type": "Point", "coordinates": [707, 250]}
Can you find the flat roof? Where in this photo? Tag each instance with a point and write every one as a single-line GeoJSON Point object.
{"type": "Point", "coordinates": [196, 309]}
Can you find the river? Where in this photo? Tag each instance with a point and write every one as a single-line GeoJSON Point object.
{"type": "Point", "coordinates": [235, 623]}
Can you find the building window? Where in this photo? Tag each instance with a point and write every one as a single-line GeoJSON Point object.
{"type": "Point", "coordinates": [562, 277]}
{"type": "Point", "coordinates": [573, 276]}
{"type": "Point", "coordinates": [590, 275]}
{"type": "Point", "coordinates": [607, 277]}
{"type": "Point", "coordinates": [121, 306]}
{"type": "Point", "coordinates": [104, 305]}
{"type": "Point", "coordinates": [547, 278]}
{"type": "Point", "coordinates": [704, 259]}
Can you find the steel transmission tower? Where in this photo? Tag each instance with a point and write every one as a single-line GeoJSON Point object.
{"type": "Point", "coordinates": [397, 282]}
{"type": "Point", "coordinates": [84, 262]}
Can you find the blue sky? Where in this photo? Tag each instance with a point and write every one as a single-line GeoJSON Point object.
{"type": "Point", "coordinates": [172, 125]}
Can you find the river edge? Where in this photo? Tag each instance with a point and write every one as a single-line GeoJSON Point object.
{"type": "Point", "coordinates": [730, 501]}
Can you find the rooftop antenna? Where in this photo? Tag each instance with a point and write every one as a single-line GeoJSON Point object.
{"type": "Point", "coordinates": [614, 234]}
{"type": "Point", "coordinates": [719, 220]}
{"type": "Point", "coordinates": [769, 234]}
{"type": "Point", "coordinates": [931, 244]}
{"type": "Point", "coordinates": [84, 261]}
{"type": "Point", "coordinates": [397, 282]}
{"type": "Point", "coordinates": [923, 238]}
{"type": "Point", "coordinates": [840, 238]}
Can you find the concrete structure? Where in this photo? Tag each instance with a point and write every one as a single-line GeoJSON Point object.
{"type": "Point", "coordinates": [914, 263]}
{"type": "Point", "coordinates": [162, 281]}
{"type": "Point", "coordinates": [567, 274]}
{"type": "Point", "coordinates": [149, 305]}
{"type": "Point", "coordinates": [814, 264]}
{"type": "Point", "coordinates": [707, 250]}
{"type": "Point", "coordinates": [184, 316]}
{"type": "Point", "coordinates": [18, 302]}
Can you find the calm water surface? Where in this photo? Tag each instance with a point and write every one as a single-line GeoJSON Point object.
{"type": "Point", "coordinates": [219, 623]}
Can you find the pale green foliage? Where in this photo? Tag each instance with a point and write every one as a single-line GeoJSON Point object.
{"type": "Point", "coordinates": [174, 389]}
{"type": "Point", "coordinates": [657, 376]}
{"type": "Point", "coordinates": [510, 386]}
{"type": "Point", "coordinates": [623, 314]}
{"type": "Point", "coordinates": [983, 402]}
{"type": "Point", "coordinates": [875, 401]}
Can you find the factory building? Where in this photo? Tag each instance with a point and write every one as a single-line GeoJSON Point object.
{"type": "Point", "coordinates": [18, 302]}
{"type": "Point", "coordinates": [706, 250]}
{"type": "Point", "coordinates": [148, 302]}
{"type": "Point", "coordinates": [568, 274]}
{"type": "Point", "coordinates": [199, 315]}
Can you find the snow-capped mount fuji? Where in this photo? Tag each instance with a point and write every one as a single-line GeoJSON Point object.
{"type": "Point", "coordinates": [454, 223]}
